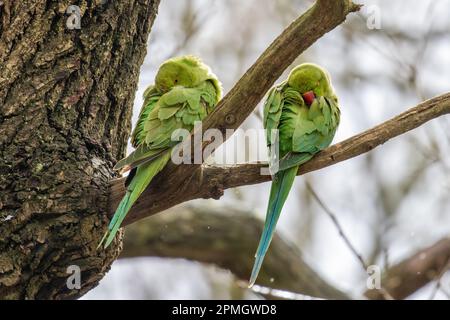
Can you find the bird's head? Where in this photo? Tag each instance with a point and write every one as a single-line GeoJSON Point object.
{"type": "Point", "coordinates": [179, 71]}
{"type": "Point", "coordinates": [311, 81]}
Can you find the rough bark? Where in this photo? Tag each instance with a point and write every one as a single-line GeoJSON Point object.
{"type": "Point", "coordinates": [211, 180]}
{"type": "Point", "coordinates": [65, 107]}
{"type": "Point", "coordinates": [226, 237]}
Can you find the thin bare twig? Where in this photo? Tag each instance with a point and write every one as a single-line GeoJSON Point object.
{"type": "Point", "coordinates": [439, 279]}
{"type": "Point", "coordinates": [335, 221]}
{"type": "Point", "coordinates": [347, 241]}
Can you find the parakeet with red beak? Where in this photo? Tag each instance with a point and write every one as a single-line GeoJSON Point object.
{"type": "Point", "coordinates": [185, 91]}
{"type": "Point", "coordinates": [304, 109]}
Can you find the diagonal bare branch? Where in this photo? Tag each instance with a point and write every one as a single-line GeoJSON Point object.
{"type": "Point", "coordinates": [242, 99]}
{"type": "Point", "coordinates": [211, 181]}
{"type": "Point", "coordinates": [342, 234]}
{"type": "Point", "coordinates": [240, 102]}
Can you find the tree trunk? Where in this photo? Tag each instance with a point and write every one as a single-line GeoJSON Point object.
{"type": "Point", "coordinates": [66, 98]}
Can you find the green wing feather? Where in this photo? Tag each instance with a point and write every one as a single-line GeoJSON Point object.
{"type": "Point", "coordinates": [151, 97]}
{"type": "Point", "coordinates": [272, 111]}
{"type": "Point", "coordinates": [162, 115]}
{"type": "Point", "coordinates": [314, 133]}
{"type": "Point", "coordinates": [142, 152]}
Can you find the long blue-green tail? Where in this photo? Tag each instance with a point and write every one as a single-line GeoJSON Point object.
{"type": "Point", "coordinates": [279, 191]}
{"type": "Point", "coordinates": [144, 175]}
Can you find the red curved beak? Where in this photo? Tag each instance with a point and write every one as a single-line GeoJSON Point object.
{"type": "Point", "coordinates": [309, 97]}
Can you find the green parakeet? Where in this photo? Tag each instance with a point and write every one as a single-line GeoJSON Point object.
{"type": "Point", "coordinates": [185, 91]}
{"type": "Point", "coordinates": [304, 109]}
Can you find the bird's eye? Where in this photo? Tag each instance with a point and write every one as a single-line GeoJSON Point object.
{"type": "Point", "coordinates": [176, 80]}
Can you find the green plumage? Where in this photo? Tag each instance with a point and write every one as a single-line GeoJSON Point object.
{"type": "Point", "coordinates": [185, 91]}
{"type": "Point", "coordinates": [304, 128]}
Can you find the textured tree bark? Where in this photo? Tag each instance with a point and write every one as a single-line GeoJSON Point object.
{"type": "Point", "coordinates": [65, 106]}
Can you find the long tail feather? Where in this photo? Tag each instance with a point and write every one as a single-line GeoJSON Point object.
{"type": "Point", "coordinates": [278, 194]}
{"type": "Point", "coordinates": [144, 175]}
{"type": "Point", "coordinates": [119, 212]}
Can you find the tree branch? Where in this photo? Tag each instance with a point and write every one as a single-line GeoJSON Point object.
{"type": "Point", "coordinates": [239, 103]}
{"type": "Point", "coordinates": [410, 275]}
{"type": "Point", "coordinates": [242, 99]}
{"type": "Point", "coordinates": [226, 237]}
{"type": "Point", "coordinates": [211, 181]}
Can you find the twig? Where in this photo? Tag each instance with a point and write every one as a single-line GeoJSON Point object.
{"type": "Point", "coordinates": [439, 279]}
{"type": "Point", "coordinates": [338, 226]}
{"type": "Point", "coordinates": [343, 235]}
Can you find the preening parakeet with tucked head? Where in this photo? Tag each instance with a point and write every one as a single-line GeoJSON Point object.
{"type": "Point", "coordinates": [304, 109]}
{"type": "Point", "coordinates": [185, 91]}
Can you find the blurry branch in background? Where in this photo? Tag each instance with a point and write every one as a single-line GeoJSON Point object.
{"type": "Point", "coordinates": [226, 237]}
{"type": "Point", "coordinates": [211, 180]}
{"type": "Point", "coordinates": [407, 71]}
{"type": "Point", "coordinates": [347, 241]}
{"type": "Point", "coordinates": [338, 226]}
{"type": "Point", "coordinates": [191, 24]}
{"type": "Point", "coordinates": [242, 99]}
{"type": "Point", "coordinates": [408, 276]}
{"type": "Point", "coordinates": [390, 197]}
{"type": "Point", "coordinates": [438, 287]}
{"type": "Point", "coordinates": [407, 52]}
